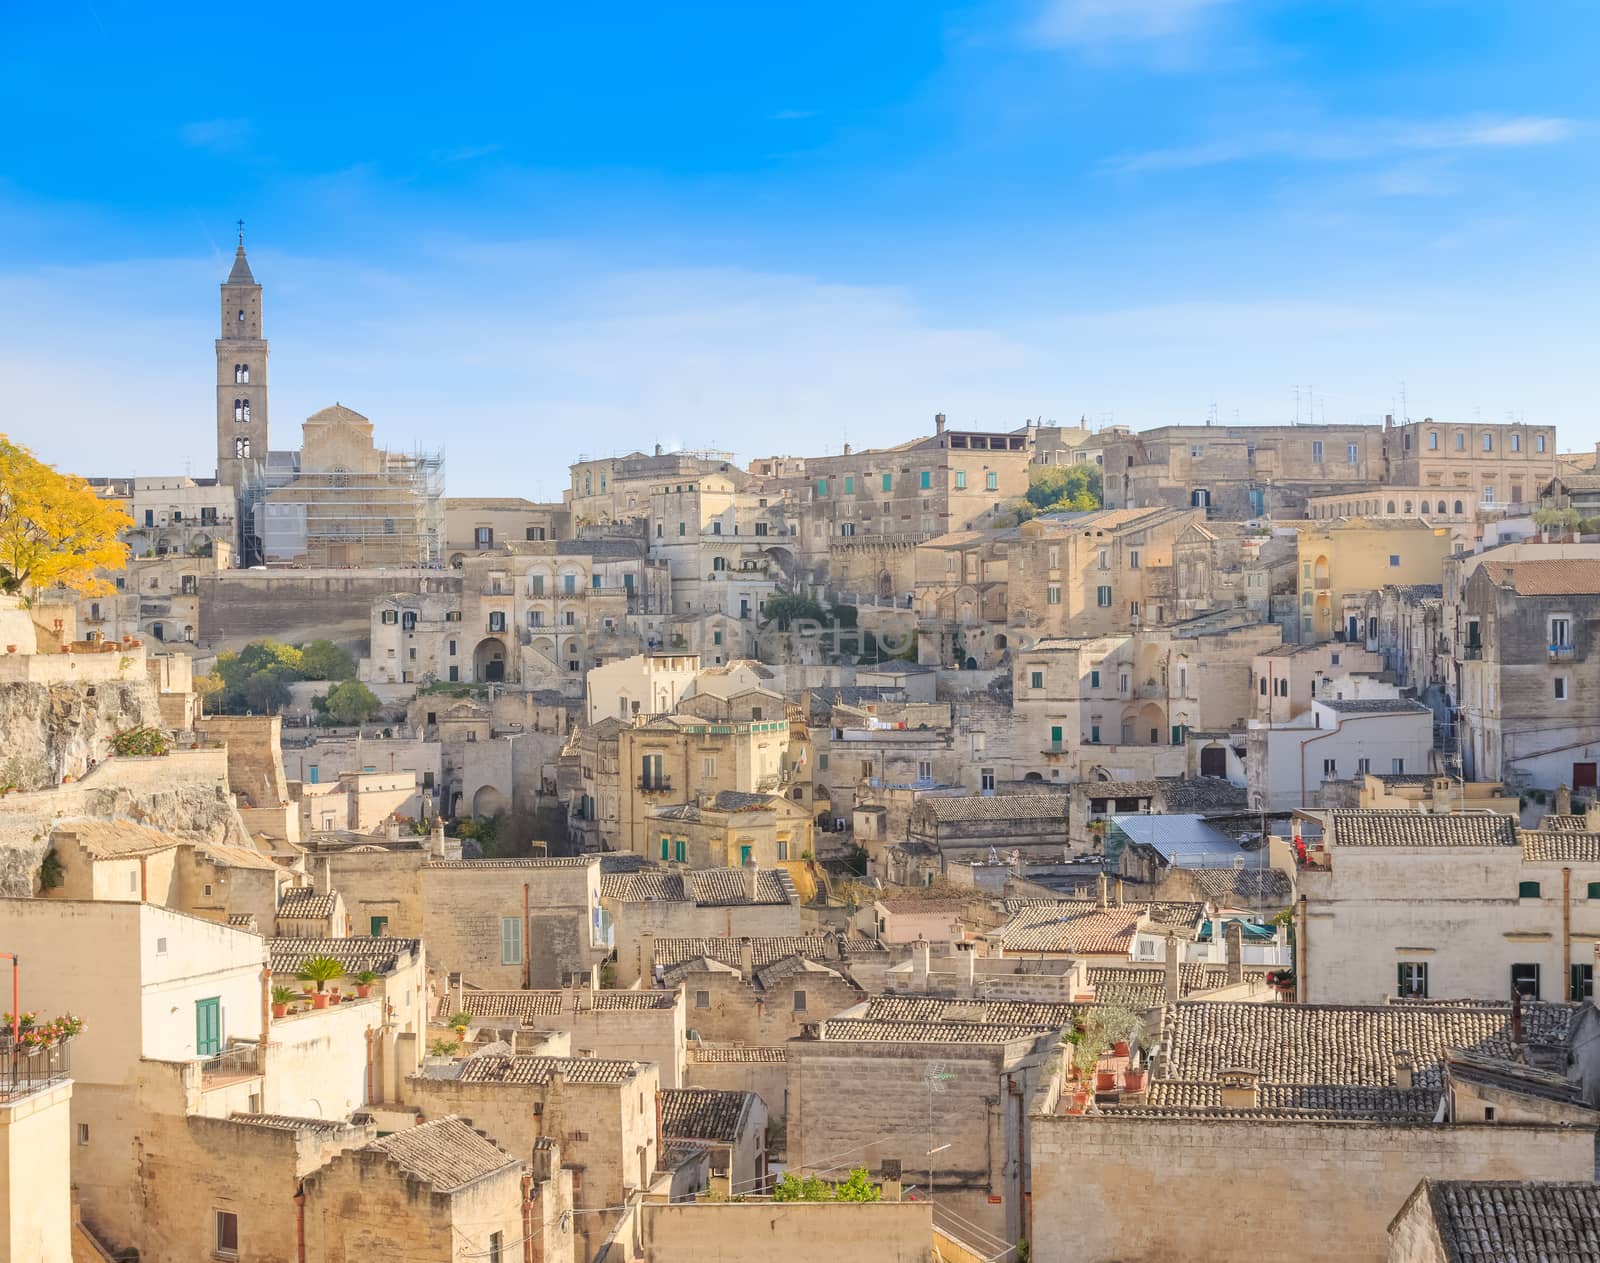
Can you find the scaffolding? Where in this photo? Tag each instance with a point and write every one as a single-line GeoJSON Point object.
{"type": "Point", "coordinates": [392, 515]}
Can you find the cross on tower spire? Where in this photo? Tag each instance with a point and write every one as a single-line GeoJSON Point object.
{"type": "Point", "coordinates": [241, 232]}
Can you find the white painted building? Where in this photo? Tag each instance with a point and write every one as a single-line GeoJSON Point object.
{"type": "Point", "coordinates": [1336, 740]}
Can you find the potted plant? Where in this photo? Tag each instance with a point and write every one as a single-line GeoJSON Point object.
{"type": "Point", "coordinates": [1105, 1081]}
{"type": "Point", "coordinates": [282, 998]}
{"type": "Point", "coordinates": [1120, 1048]}
{"type": "Point", "coordinates": [459, 1022]}
{"type": "Point", "coordinates": [320, 970]}
{"type": "Point", "coordinates": [364, 983]}
{"type": "Point", "coordinates": [1133, 1080]}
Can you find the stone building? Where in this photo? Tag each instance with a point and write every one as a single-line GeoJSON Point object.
{"type": "Point", "coordinates": [731, 1125]}
{"type": "Point", "coordinates": [690, 904]}
{"type": "Point", "coordinates": [1446, 1219]}
{"type": "Point", "coordinates": [961, 593]}
{"type": "Point", "coordinates": [1094, 573]}
{"type": "Point", "coordinates": [727, 548]}
{"type": "Point", "coordinates": [1527, 702]}
{"type": "Point", "coordinates": [1286, 679]}
{"type": "Point", "coordinates": [727, 829]}
{"type": "Point", "coordinates": [1488, 910]}
{"type": "Point", "coordinates": [482, 523]}
{"type": "Point", "coordinates": [1345, 560]}
{"type": "Point", "coordinates": [440, 1190]}
{"type": "Point", "coordinates": [618, 488]}
{"type": "Point", "coordinates": [1300, 762]}
{"type": "Point", "coordinates": [1476, 465]}
{"type": "Point", "coordinates": [1239, 472]}
{"type": "Point", "coordinates": [1350, 1105]}
{"type": "Point", "coordinates": [970, 826]}
{"type": "Point", "coordinates": [242, 430]}
{"type": "Point", "coordinates": [761, 1006]}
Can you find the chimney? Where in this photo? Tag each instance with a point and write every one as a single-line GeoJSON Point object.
{"type": "Point", "coordinates": [1563, 801]}
{"type": "Point", "coordinates": [1172, 969]}
{"type": "Point", "coordinates": [1402, 1069]}
{"type": "Point", "coordinates": [968, 968]}
{"type": "Point", "coordinates": [1119, 892]}
{"type": "Point", "coordinates": [436, 839]}
{"type": "Point", "coordinates": [750, 870]}
{"type": "Point", "coordinates": [1239, 1088]}
{"type": "Point", "coordinates": [747, 958]}
{"type": "Point", "coordinates": [938, 425]}
{"type": "Point", "coordinates": [920, 953]}
{"type": "Point", "coordinates": [658, 449]}
{"type": "Point", "coordinates": [890, 1170]}
{"type": "Point", "coordinates": [1100, 886]}
{"type": "Point", "coordinates": [1591, 818]}
{"type": "Point", "coordinates": [1388, 420]}
{"type": "Point", "coordinates": [1516, 1025]}
{"type": "Point", "coordinates": [391, 829]}
{"type": "Point", "coordinates": [461, 991]}
{"type": "Point", "coordinates": [833, 947]}
{"type": "Point", "coordinates": [1235, 939]}
{"type": "Point", "coordinates": [647, 960]}
{"type": "Point", "coordinates": [576, 988]}
{"type": "Point", "coordinates": [847, 449]}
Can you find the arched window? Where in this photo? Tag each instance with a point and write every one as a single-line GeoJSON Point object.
{"type": "Point", "coordinates": [1461, 440]}
{"type": "Point", "coordinates": [241, 374]}
{"type": "Point", "coordinates": [719, 563]}
{"type": "Point", "coordinates": [1433, 440]}
{"type": "Point", "coordinates": [1488, 442]}
{"type": "Point", "coordinates": [1441, 508]}
{"type": "Point", "coordinates": [1391, 506]}
{"type": "Point", "coordinates": [238, 409]}
{"type": "Point", "coordinates": [1408, 507]}
{"type": "Point", "coordinates": [1516, 442]}
{"type": "Point", "coordinates": [241, 315]}
{"type": "Point", "coordinates": [241, 448]}
{"type": "Point", "coordinates": [1459, 508]}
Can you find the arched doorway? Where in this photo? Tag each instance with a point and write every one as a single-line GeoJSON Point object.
{"type": "Point", "coordinates": [489, 661]}
{"type": "Point", "coordinates": [885, 585]}
{"type": "Point", "coordinates": [488, 801]}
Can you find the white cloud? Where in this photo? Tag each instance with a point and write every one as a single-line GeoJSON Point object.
{"type": "Point", "coordinates": [1095, 24]}
{"type": "Point", "coordinates": [1354, 144]}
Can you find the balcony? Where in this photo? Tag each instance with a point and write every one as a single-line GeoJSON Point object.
{"type": "Point", "coordinates": [496, 589]}
{"type": "Point", "coordinates": [655, 785]}
{"type": "Point", "coordinates": [235, 1064]}
{"type": "Point", "coordinates": [1470, 653]}
{"type": "Point", "coordinates": [26, 1068]}
{"type": "Point", "coordinates": [1560, 653]}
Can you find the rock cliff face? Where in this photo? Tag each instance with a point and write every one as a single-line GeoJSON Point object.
{"type": "Point", "coordinates": [51, 731]}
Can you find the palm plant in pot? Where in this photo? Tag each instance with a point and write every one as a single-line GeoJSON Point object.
{"type": "Point", "coordinates": [460, 1022]}
{"type": "Point", "coordinates": [364, 983]}
{"type": "Point", "coordinates": [320, 970]}
{"type": "Point", "coordinates": [282, 998]}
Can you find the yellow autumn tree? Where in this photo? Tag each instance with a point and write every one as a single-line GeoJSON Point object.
{"type": "Point", "coordinates": [54, 530]}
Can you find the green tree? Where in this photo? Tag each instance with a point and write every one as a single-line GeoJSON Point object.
{"type": "Point", "coordinates": [1063, 488]}
{"type": "Point", "coordinates": [858, 1188]}
{"type": "Point", "coordinates": [324, 660]}
{"type": "Point", "coordinates": [351, 702]}
{"type": "Point", "coordinates": [257, 678]}
{"type": "Point", "coordinates": [792, 608]}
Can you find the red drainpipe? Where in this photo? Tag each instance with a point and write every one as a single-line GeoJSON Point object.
{"type": "Point", "coordinates": [527, 1218]}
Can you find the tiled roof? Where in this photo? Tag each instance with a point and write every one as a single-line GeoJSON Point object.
{"type": "Point", "coordinates": [1120, 789]}
{"type": "Point", "coordinates": [1373, 705]}
{"type": "Point", "coordinates": [381, 955]}
{"type": "Point", "coordinates": [1145, 986]}
{"type": "Point", "coordinates": [1199, 793]}
{"type": "Point", "coordinates": [766, 951]}
{"type": "Point", "coordinates": [712, 1054]}
{"type": "Point", "coordinates": [997, 807]}
{"type": "Point", "coordinates": [305, 903]}
{"type": "Point", "coordinates": [517, 1004]}
{"type": "Point", "coordinates": [935, 1009]}
{"type": "Point", "coordinates": [539, 1070]}
{"type": "Point", "coordinates": [445, 1154]}
{"type": "Point", "coordinates": [703, 1114]}
{"type": "Point", "coordinates": [1081, 925]}
{"type": "Point", "coordinates": [1241, 883]}
{"type": "Point", "coordinates": [235, 856]}
{"type": "Point", "coordinates": [1343, 1044]}
{"type": "Point", "coordinates": [705, 887]}
{"type": "Point", "coordinates": [1571, 577]}
{"type": "Point", "coordinates": [112, 839]}
{"type": "Point", "coordinates": [1421, 828]}
{"type": "Point", "coordinates": [1333, 1098]}
{"type": "Point", "coordinates": [857, 1030]}
{"type": "Point", "coordinates": [243, 921]}
{"type": "Point", "coordinates": [1560, 846]}
{"type": "Point", "coordinates": [769, 976]}
{"type": "Point", "coordinates": [1514, 1221]}
{"type": "Point", "coordinates": [634, 1001]}
{"type": "Point", "coordinates": [1568, 821]}
{"type": "Point", "coordinates": [287, 1122]}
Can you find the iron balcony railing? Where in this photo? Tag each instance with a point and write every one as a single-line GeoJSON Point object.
{"type": "Point", "coordinates": [25, 1068]}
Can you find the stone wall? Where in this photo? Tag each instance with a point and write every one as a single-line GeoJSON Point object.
{"type": "Point", "coordinates": [634, 923]}
{"type": "Point", "coordinates": [788, 1232]}
{"type": "Point", "coordinates": [238, 606]}
{"type": "Point", "coordinates": [1189, 1190]}
{"type": "Point", "coordinates": [57, 730]}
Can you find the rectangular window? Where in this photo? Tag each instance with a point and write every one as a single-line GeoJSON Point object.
{"type": "Point", "coordinates": [1352, 454]}
{"type": "Point", "coordinates": [986, 779]}
{"type": "Point", "coordinates": [822, 762]}
{"type": "Point", "coordinates": [1052, 594]}
{"type": "Point", "coordinates": [1330, 767]}
{"type": "Point", "coordinates": [1527, 890]}
{"type": "Point", "coordinates": [666, 848]}
{"type": "Point", "coordinates": [822, 487]}
{"type": "Point", "coordinates": [1094, 734]}
{"type": "Point", "coordinates": [1561, 633]}
{"type": "Point", "coordinates": [1413, 980]}
{"type": "Point", "coordinates": [483, 536]}
{"type": "Point", "coordinates": [783, 849]}
{"type": "Point", "coordinates": [1560, 683]}
{"type": "Point", "coordinates": [1055, 736]}
{"type": "Point", "coordinates": [1581, 984]}
{"type": "Point", "coordinates": [716, 638]}
{"type": "Point", "coordinates": [1102, 597]}
{"type": "Point", "coordinates": [849, 486]}
{"type": "Point", "coordinates": [1036, 680]}
{"type": "Point", "coordinates": [888, 482]}
{"type": "Point", "coordinates": [1133, 559]}
{"type": "Point", "coordinates": [708, 766]}
{"type": "Point", "coordinates": [961, 480]}
{"type": "Point", "coordinates": [1525, 980]}
{"type": "Point", "coordinates": [680, 851]}
{"type": "Point", "coordinates": [1539, 443]}
{"type": "Point", "coordinates": [226, 1224]}
{"type": "Point", "coordinates": [925, 480]}
{"type": "Point", "coordinates": [992, 481]}
{"type": "Point", "coordinates": [378, 926]}
{"type": "Point", "coordinates": [511, 940]}
{"type": "Point", "coordinates": [702, 999]}
{"type": "Point", "coordinates": [83, 1133]}
{"type": "Point", "coordinates": [1363, 766]}
{"type": "Point", "coordinates": [1316, 452]}
{"type": "Point", "coordinates": [744, 856]}
{"type": "Point", "coordinates": [924, 770]}
{"type": "Point", "coordinates": [1094, 679]}
{"type": "Point", "coordinates": [1177, 734]}
{"type": "Point", "coordinates": [496, 1248]}
{"type": "Point", "coordinates": [1397, 766]}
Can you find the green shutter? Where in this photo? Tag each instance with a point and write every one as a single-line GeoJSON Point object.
{"type": "Point", "coordinates": [888, 482]}
{"type": "Point", "coordinates": [208, 1027]}
{"type": "Point", "coordinates": [1527, 890]}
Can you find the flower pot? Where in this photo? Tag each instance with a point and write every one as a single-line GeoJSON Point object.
{"type": "Point", "coordinates": [1133, 1081]}
{"type": "Point", "coordinates": [364, 990]}
{"type": "Point", "coordinates": [279, 1010]}
{"type": "Point", "coordinates": [11, 649]}
{"type": "Point", "coordinates": [1120, 1048]}
{"type": "Point", "coordinates": [1105, 1081]}
{"type": "Point", "coordinates": [319, 1000]}
{"type": "Point", "coordinates": [1079, 1103]}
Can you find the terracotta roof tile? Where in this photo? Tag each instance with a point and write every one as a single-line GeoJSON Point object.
{"type": "Point", "coordinates": [713, 1055]}
{"type": "Point", "coordinates": [1511, 1221]}
{"type": "Point", "coordinates": [446, 1154]}
{"type": "Point", "coordinates": [703, 1114]}
{"type": "Point", "coordinates": [1564, 577]}
{"type": "Point", "coordinates": [381, 955]}
{"type": "Point", "coordinates": [540, 1070]}
{"type": "Point", "coordinates": [1560, 846]}
{"type": "Point", "coordinates": [305, 903]}
{"type": "Point", "coordinates": [1421, 828]}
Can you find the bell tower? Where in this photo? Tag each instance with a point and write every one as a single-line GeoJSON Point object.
{"type": "Point", "coordinates": [241, 382]}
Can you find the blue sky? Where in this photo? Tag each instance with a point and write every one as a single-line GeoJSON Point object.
{"type": "Point", "coordinates": [528, 233]}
